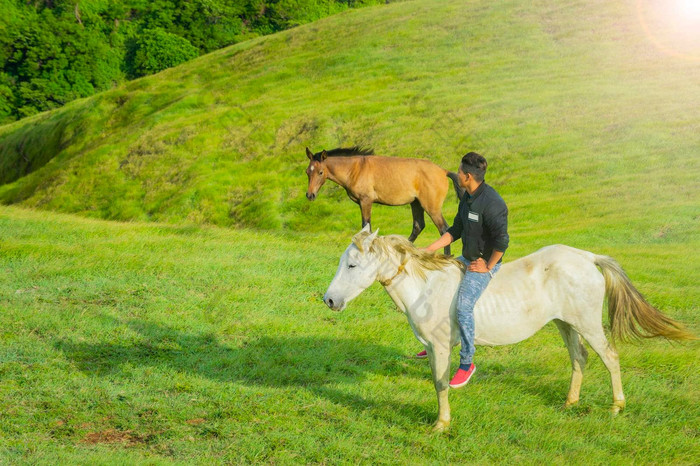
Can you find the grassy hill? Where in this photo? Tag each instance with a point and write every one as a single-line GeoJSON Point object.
{"type": "Point", "coordinates": [194, 332]}
{"type": "Point", "coordinates": [583, 119]}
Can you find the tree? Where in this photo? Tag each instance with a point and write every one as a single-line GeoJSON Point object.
{"type": "Point", "coordinates": [54, 51]}
{"type": "Point", "coordinates": [155, 50]}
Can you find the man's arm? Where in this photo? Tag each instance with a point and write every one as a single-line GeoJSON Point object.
{"type": "Point", "coordinates": [493, 260]}
{"type": "Point", "coordinates": [445, 240]}
{"type": "Point", "coordinates": [481, 266]}
{"type": "Point", "coordinates": [497, 223]}
{"type": "Point", "coordinates": [496, 220]}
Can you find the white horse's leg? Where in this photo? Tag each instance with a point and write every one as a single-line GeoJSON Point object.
{"type": "Point", "coordinates": [596, 338]}
{"type": "Point", "coordinates": [578, 355]}
{"type": "Point", "coordinates": [439, 356]}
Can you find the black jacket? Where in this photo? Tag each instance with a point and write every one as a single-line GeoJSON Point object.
{"type": "Point", "coordinates": [482, 223]}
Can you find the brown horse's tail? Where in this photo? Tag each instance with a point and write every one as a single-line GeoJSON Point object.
{"type": "Point", "coordinates": [631, 316]}
{"type": "Point", "coordinates": [455, 181]}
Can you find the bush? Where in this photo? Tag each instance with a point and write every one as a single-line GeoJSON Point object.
{"type": "Point", "coordinates": [155, 50]}
{"type": "Point", "coordinates": [7, 98]}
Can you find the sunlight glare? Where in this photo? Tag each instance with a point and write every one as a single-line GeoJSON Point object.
{"type": "Point", "coordinates": [672, 26]}
{"type": "Point", "coordinates": [689, 10]}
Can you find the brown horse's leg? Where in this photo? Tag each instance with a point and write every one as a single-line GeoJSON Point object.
{"type": "Point", "coordinates": [366, 209]}
{"type": "Point", "coordinates": [418, 220]}
{"type": "Point", "coordinates": [441, 225]}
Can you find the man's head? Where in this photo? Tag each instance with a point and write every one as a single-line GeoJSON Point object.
{"type": "Point", "coordinates": [472, 169]}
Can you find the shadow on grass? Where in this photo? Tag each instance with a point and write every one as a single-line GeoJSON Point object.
{"type": "Point", "coordinates": [550, 387]}
{"type": "Point", "coordinates": [317, 364]}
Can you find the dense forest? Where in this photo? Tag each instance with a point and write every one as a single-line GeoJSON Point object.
{"type": "Point", "coordinates": [55, 51]}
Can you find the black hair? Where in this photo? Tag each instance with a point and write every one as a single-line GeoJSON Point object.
{"type": "Point", "coordinates": [475, 164]}
{"type": "Point", "coordinates": [344, 151]}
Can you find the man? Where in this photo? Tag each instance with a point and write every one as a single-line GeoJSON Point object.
{"type": "Point", "coordinates": [482, 224]}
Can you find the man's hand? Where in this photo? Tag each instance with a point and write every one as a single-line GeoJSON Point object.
{"type": "Point", "coordinates": [478, 265]}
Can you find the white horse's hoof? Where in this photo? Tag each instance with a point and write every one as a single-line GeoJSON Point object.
{"type": "Point", "coordinates": [441, 426]}
{"type": "Point", "coordinates": [617, 407]}
{"type": "Point", "coordinates": [569, 404]}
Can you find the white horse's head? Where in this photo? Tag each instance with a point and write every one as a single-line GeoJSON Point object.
{"type": "Point", "coordinates": [357, 270]}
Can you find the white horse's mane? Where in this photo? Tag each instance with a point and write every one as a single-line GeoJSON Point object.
{"type": "Point", "coordinates": [416, 261]}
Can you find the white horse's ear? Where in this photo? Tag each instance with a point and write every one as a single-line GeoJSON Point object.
{"type": "Point", "coordinates": [362, 241]}
{"type": "Point", "coordinates": [369, 240]}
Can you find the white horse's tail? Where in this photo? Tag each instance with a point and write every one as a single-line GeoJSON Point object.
{"type": "Point", "coordinates": [631, 316]}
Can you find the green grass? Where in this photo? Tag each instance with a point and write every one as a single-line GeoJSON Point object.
{"type": "Point", "coordinates": [134, 342]}
{"type": "Point", "coordinates": [114, 335]}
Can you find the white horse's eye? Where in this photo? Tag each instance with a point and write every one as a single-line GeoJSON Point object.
{"type": "Point", "coordinates": [351, 266]}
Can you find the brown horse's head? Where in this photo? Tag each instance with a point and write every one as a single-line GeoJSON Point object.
{"type": "Point", "coordinates": [316, 171]}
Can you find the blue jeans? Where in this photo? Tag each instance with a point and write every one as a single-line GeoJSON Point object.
{"type": "Point", "coordinates": [472, 286]}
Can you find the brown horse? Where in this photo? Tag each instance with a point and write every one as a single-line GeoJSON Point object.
{"type": "Point", "coordinates": [369, 179]}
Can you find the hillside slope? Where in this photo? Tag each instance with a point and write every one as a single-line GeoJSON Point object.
{"type": "Point", "coordinates": [588, 126]}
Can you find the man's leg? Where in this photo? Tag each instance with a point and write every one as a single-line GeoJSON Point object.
{"type": "Point", "coordinates": [472, 286]}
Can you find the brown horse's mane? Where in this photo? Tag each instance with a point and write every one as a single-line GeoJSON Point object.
{"type": "Point", "coordinates": [345, 152]}
{"type": "Point", "coordinates": [419, 259]}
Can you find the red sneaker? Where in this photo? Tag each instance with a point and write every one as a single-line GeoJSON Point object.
{"type": "Point", "coordinates": [462, 377]}
{"type": "Point", "coordinates": [422, 355]}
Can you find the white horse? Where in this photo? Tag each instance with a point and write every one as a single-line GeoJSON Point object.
{"type": "Point", "coordinates": [556, 283]}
